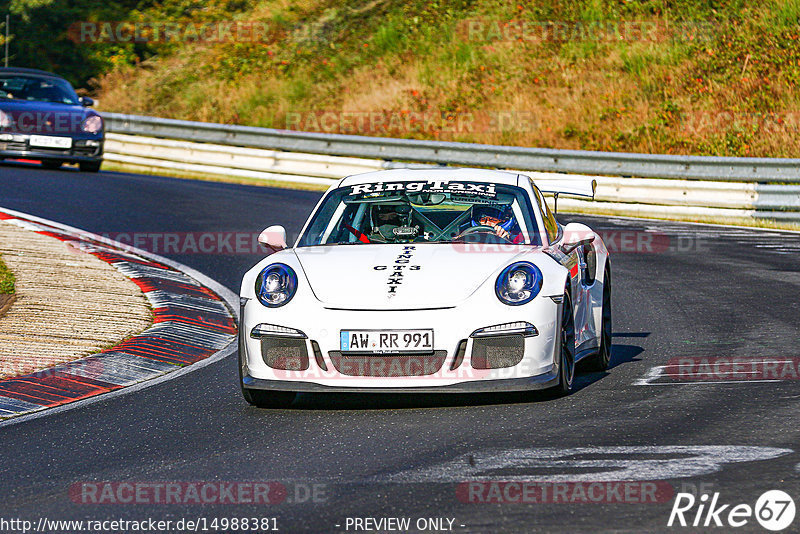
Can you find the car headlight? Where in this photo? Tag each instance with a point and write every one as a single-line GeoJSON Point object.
{"type": "Point", "coordinates": [276, 285]}
{"type": "Point", "coordinates": [93, 124]}
{"type": "Point", "coordinates": [519, 283]}
{"type": "Point", "coordinates": [5, 120]}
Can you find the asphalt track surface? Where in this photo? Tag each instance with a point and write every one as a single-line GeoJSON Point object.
{"type": "Point", "coordinates": [708, 292]}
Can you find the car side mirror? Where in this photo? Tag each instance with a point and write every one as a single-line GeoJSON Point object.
{"type": "Point", "coordinates": [86, 101]}
{"type": "Point", "coordinates": [273, 238]}
{"type": "Point", "coordinates": [576, 235]}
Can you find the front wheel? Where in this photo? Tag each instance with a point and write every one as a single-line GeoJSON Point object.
{"type": "Point", "coordinates": [566, 364]}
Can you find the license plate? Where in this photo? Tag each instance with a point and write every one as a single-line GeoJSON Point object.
{"type": "Point", "coordinates": [387, 341]}
{"type": "Point", "coordinates": [49, 141]}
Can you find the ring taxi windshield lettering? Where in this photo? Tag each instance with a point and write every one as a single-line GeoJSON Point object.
{"type": "Point", "coordinates": [435, 211]}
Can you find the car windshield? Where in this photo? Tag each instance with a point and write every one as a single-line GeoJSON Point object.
{"type": "Point", "coordinates": [434, 211]}
{"type": "Point", "coordinates": [37, 89]}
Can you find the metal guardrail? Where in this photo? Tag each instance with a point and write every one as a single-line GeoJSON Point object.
{"type": "Point", "coordinates": [206, 158]}
{"type": "Point", "coordinates": [763, 170]}
{"type": "Point", "coordinates": [156, 144]}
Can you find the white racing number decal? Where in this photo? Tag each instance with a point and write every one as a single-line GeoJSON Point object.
{"type": "Point", "coordinates": [595, 464]}
{"type": "Point", "coordinates": [398, 270]}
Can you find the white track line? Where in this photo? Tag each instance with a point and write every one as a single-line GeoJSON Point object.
{"type": "Point", "coordinates": [693, 383]}
{"type": "Point", "coordinates": [688, 223]}
{"type": "Point", "coordinates": [230, 298]}
{"type": "Point", "coordinates": [657, 372]}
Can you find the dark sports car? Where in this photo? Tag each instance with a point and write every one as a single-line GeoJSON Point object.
{"type": "Point", "coordinates": [42, 118]}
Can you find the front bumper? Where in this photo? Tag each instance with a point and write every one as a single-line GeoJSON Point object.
{"type": "Point", "coordinates": [543, 381]}
{"type": "Point", "coordinates": [85, 148]}
{"type": "Point", "coordinates": [452, 327]}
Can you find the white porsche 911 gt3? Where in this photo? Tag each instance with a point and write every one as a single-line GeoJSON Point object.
{"type": "Point", "coordinates": [434, 280]}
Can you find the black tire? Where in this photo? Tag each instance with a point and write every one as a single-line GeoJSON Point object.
{"type": "Point", "coordinates": [90, 166]}
{"type": "Point", "coordinates": [566, 364]}
{"type": "Point", "coordinates": [600, 361]}
{"type": "Point", "coordinates": [52, 165]}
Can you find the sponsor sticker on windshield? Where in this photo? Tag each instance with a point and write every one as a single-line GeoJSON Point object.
{"type": "Point", "coordinates": [430, 186]}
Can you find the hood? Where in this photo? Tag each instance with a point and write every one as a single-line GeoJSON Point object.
{"type": "Point", "coordinates": [30, 117]}
{"type": "Point", "coordinates": [414, 276]}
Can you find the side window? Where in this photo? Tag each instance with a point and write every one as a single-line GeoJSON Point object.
{"type": "Point", "coordinates": [550, 224]}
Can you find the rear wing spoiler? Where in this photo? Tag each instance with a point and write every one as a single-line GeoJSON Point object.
{"type": "Point", "coordinates": [573, 186]}
{"type": "Point", "coordinates": [580, 188]}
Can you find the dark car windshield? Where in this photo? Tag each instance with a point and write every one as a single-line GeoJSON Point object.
{"type": "Point", "coordinates": [37, 89]}
{"type": "Point", "coordinates": [423, 211]}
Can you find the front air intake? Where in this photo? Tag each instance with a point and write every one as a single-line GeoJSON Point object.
{"type": "Point", "coordinates": [496, 352]}
{"type": "Point", "coordinates": [287, 354]}
{"type": "Point", "coordinates": [388, 365]}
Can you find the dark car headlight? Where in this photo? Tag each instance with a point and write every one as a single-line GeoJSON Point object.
{"type": "Point", "coordinates": [93, 124]}
{"type": "Point", "coordinates": [519, 283]}
{"type": "Point", "coordinates": [276, 285]}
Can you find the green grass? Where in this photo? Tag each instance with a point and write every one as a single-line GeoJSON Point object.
{"type": "Point", "coordinates": [6, 279]}
{"type": "Point", "coordinates": [669, 90]}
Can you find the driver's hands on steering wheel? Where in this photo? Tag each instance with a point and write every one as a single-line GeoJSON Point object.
{"type": "Point", "coordinates": [482, 229]}
{"type": "Point", "coordinates": [495, 224]}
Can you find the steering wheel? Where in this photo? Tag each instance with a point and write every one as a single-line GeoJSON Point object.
{"type": "Point", "coordinates": [480, 229]}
